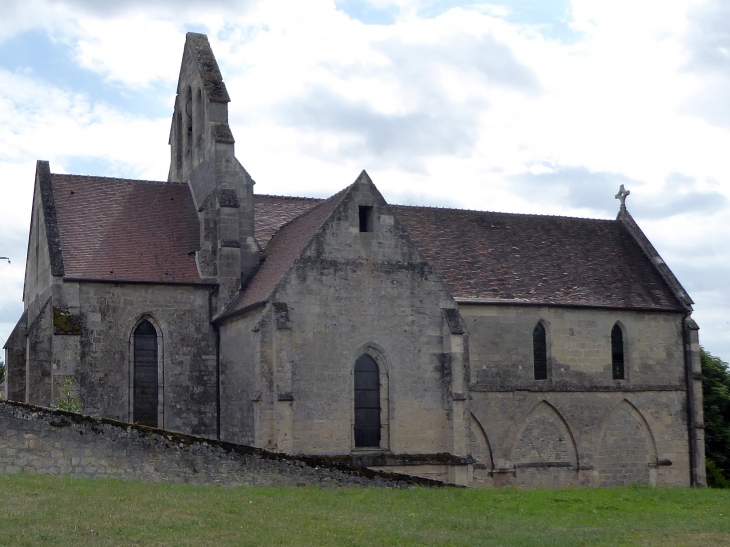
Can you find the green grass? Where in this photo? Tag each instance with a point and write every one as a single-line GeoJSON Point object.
{"type": "Point", "coordinates": [39, 511]}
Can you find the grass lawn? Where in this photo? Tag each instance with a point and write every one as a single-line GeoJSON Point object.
{"type": "Point", "coordinates": [39, 511]}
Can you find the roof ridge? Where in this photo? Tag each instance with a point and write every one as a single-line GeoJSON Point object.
{"type": "Point", "coordinates": [161, 182]}
{"type": "Point", "coordinates": [289, 197]}
{"type": "Point", "coordinates": [500, 212]}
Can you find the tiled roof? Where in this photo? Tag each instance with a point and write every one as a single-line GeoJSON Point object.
{"type": "Point", "coordinates": [272, 212]}
{"type": "Point", "coordinates": [281, 252]}
{"type": "Point", "coordinates": [129, 230]}
{"type": "Point", "coordinates": [500, 257]}
{"type": "Point", "coordinates": [126, 230]}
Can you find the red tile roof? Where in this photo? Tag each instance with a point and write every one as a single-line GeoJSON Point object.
{"type": "Point", "coordinates": [129, 230]}
{"type": "Point", "coordinates": [281, 252]}
{"type": "Point", "coordinates": [501, 257]}
{"type": "Point", "coordinates": [126, 230]}
{"type": "Point", "coordinates": [272, 212]}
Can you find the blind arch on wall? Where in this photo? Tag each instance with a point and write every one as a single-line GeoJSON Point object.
{"type": "Point", "coordinates": [539, 352]}
{"type": "Point", "coordinates": [617, 353]}
{"type": "Point", "coordinates": [367, 403]}
{"type": "Point", "coordinates": [145, 375]}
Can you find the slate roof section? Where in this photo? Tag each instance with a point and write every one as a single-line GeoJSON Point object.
{"type": "Point", "coordinates": [126, 230]}
{"type": "Point", "coordinates": [280, 254]}
{"type": "Point", "coordinates": [141, 231]}
{"type": "Point", "coordinates": [272, 212]}
{"type": "Point", "coordinates": [535, 259]}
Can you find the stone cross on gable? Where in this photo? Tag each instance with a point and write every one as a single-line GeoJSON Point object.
{"type": "Point", "coordinates": [622, 193]}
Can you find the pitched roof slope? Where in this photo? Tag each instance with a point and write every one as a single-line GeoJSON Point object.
{"type": "Point", "coordinates": [126, 230]}
{"type": "Point", "coordinates": [501, 257]}
{"type": "Point", "coordinates": [272, 212]}
{"type": "Point", "coordinates": [284, 248]}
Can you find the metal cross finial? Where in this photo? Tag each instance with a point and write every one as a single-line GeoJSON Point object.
{"type": "Point", "coordinates": [622, 193]}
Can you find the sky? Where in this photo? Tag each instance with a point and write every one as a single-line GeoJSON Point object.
{"type": "Point", "coordinates": [529, 106]}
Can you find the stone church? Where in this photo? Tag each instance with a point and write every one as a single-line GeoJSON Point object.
{"type": "Point", "coordinates": [473, 347]}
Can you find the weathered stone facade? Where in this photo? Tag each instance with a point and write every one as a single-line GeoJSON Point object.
{"type": "Point", "coordinates": [260, 318]}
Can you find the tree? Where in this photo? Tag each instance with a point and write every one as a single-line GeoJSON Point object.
{"type": "Point", "coordinates": [2, 371]}
{"type": "Point", "coordinates": [716, 394]}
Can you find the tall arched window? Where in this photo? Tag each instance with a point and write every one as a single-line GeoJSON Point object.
{"type": "Point", "coordinates": [145, 374]}
{"type": "Point", "coordinates": [539, 352]}
{"type": "Point", "coordinates": [617, 353]}
{"type": "Point", "coordinates": [367, 403]}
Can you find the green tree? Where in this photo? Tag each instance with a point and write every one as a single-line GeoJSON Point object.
{"type": "Point", "coordinates": [716, 394]}
{"type": "Point", "coordinates": [2, 371]}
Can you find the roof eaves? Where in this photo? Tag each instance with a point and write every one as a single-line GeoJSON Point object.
{"type": "Point", "coordinates": [523, 302]}
{"type": "Point", "coordinates": [139, 282]}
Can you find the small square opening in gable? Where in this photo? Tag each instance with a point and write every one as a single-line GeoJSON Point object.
{"type": "Point", "coordinates": [366, 218]}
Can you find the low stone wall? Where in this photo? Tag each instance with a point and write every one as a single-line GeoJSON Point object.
{"type": "Point", "coordinates": [52, 442]}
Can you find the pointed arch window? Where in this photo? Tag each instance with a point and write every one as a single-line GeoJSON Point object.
{"type": "Point", "coordinates": [198, 119]}
{"type": "Point", "coordinates": [539, 352]}
{"type": "Point", "coordinates": [178, 141]}
{"type": "Point", "coordinates": [617, 352]}
{"type": "Point", "coordinates": [145, 374]}
{"type": "Point", "coordinates": [367, 403]}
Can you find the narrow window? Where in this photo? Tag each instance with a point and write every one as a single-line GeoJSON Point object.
{"type": "Point", "coordinates": [539, 351]}
{"type": "Point", "coordinates": [198, 119]}
{"type": "Point", "coordinates": [189, 125]}
{"type": "Point", "coordinates": [179, 142]}
{"type": "Point", "coordinates": [617, 353]}
{"type": "Point", "coordinates": [366, 218]}
{"type": "Point", "coordinates": [145, 374]}
{"type": "Point", "coordinates": [367, 403]}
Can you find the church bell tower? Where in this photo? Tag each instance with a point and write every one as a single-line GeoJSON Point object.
{"type": "Point", "coordinates": [202, 154]}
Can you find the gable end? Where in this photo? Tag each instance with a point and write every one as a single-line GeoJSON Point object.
{"type": "Point", "coordinates": [43, 176]}
{"type": "Point", "coordinates": [669, 278]}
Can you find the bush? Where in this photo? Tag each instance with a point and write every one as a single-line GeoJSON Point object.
{"type": "Point", "coordinates": [68, 400]}
{"type": "Point", "coordinates": [716, 394]}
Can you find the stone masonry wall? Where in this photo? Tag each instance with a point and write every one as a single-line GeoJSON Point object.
{"type": "Point", "coordinates": [15, 362]}
{"type": "Point", "coordinates": [186, 346]}
{"type": "Point", "coordinates": [37, 440]}
{"type": "Point", "coordinates": [580, 426]}
{"type": "Point", "coordinates": [238, 353]}
{"type": "Point", "coordinates": [351, 293]}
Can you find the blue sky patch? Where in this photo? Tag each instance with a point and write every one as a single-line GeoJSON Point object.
{"type": "Point", "coordinates": [97, 167]}
{"type": "Point", "coordinates": [551, 16]}
{"type": "Point", "coordinates": [36, 55]}
{"type": "Point", "coordinates": [366, 13]}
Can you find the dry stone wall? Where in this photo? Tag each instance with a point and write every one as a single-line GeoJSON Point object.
{"type": "Point", "coordinates": [43, 441]}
